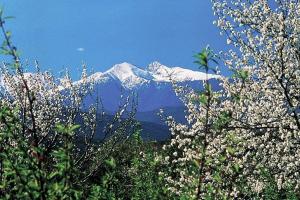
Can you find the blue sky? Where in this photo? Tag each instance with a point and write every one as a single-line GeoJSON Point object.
{"type": "Point", "coordinates": [101, 33]}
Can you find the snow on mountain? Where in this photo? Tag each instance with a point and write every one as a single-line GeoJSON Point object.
{"type": "Point", "coordinates": [166, 74]}
{"type": "Point", "coordinates": [152, 85]}
{"type": "Point", "coordinates": [131, 76]}
{"type": "Point", "coordinates": [31, 78]}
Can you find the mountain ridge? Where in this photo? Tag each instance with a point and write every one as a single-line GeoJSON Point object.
{"type": "Point", "coordinates": [131, 76]}
{"type": "Point", "coordinates": [152, 84]}
{"type": "Point", "coordinates": [154, 89]}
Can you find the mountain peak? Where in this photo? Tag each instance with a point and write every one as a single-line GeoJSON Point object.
{"type": "Point", "coordinates": [157, 67]}
{"type": "Point", "coordinates": [129, 75]}
{"type": "Point", "coordinates": [124, 67]}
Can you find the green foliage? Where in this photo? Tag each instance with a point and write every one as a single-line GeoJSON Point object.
{"type": "Point", "coordinates": [132, 172]}
{"type": "Point", "coordinates": [241, 74]}
{"type": "Point", "coordinates": [6, 47]}
{"type": "Point", "coordinates": [204, 57]}
{"type": "Point", "coordinates": [25, 173]}
{"type": "Point", "coordinates": [222, 121]}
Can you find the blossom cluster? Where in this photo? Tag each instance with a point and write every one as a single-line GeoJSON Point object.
{"type": "Point", "coordinates": [253, 124]}
{"type": "Point", "coordinates": [42, 102]}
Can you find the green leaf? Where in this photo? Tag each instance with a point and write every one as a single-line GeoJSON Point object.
{"type": "Point", "coordinates": [242, 74]}
{"type": "Point", "coordinates": [203, 99]}
{"type": "Point", "coordinates": [196, 163]}
{"type": "Point", "coordinates": [222, 158]}
{"type": "Point", "coordinates": [223, 120]}
{"type": "Point", "coordinates": [217, 177]}
{"type": "Point", "coordinates": [53, 174]}
{"type": "Point", "coordinates": [66, 129]}
{"type": "Point", "coordinates": [208, 88]}
{"type": "Point", "coordinates": [8, 17]}
{"type": "Point", "coordinates": [236, 97]}
{"type": "Point", "coordinates": [4, 44]}
{"type": "Point", "coordinates": [230, 150]}
{"type": "Point", "coordinates": [111, 162]}
{"type": "Point", "coordinates": [236, 167]}
{"type": "Point", "coordinates": [208, 161]}
{"type": "Point", "coordinates": [8, 34]}
{"type": "Point", "coordinates": [204, 57]}
{"type": "Point", "coordinates": [60, 128]}
{"type": "Point", "coordinates": [74, 127]}
{"type": "Point", "coordinates": [5, 52]}
{"type": "Point", "coordinates": [33, 184]}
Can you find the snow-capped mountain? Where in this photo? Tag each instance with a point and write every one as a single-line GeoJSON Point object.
{"type": "Point", "coordinates": [152, 85]}
{"type": "Point", "coordinates": [163, 73]}
{"type": "Point", "coordinates": [132, 77]}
